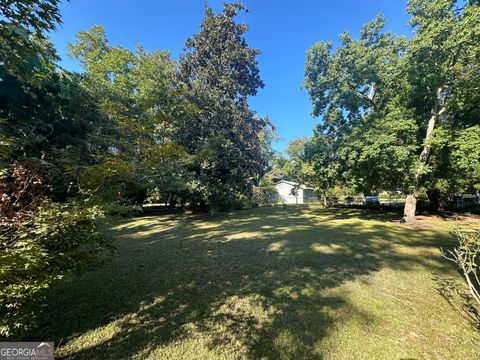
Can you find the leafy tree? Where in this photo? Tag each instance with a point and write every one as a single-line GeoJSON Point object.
{"type": "Point", "coordinates": [466, 157]}
{"type": "Point", "coordinates": [348, 86]}
{"type": "Point", "coordinates": [296, 155]}
{"type": "Point", "coordinates": [34, 16]}
{"type": "Point", "coordinates": [47, 123]}
{"type": "Point", "coordinates": [445, 38]}
{"type": "Point", "coordinates": [339, 82]}
{"type": "Point", "coordinates": [394, 107]}
{"type": "Point", "coordinates": [381, 153]}
{"type": "Point", "coordinates": [219, 72]}
{"type": "Point", "coordinates": [141, 106]}
{"type": "Point", "coordinates": [23, 45]}
{"type": "Point", "coordinates": [321, 166]}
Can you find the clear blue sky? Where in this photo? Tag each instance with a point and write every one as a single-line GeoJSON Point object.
{"type": "Point", "coordinates": [282, 30]}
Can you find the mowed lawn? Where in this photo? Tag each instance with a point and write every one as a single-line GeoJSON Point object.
{"type": "Point", "coordinates": [268, 283]}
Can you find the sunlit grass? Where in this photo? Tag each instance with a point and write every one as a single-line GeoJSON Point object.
{"type": "Point", "coordinates": [272, 283]}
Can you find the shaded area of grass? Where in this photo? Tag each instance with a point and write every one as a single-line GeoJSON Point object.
{"type": "Point", "coordinates": [294, 283]}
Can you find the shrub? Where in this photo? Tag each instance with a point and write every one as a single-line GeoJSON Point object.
{"type": "Point", "coordinates": [467, 257]}
{"type": "Point", "coordinates": [35, 253]}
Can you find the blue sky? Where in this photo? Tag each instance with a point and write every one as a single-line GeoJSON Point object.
{"type": "Point", "coordinates": [282, 30]}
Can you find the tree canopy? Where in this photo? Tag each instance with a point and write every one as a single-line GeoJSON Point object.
{"type": "Point", "coordinates": [218, 73]}
{"type": "Point", "coordinates": [395, 109]}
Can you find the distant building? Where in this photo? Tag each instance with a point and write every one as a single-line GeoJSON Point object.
{"type": "Point", "coordinates": [289, 192]}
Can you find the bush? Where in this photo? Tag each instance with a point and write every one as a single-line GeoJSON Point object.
{"type": "Point", "coordinates": [467, 257]}
{"type": "Point", "coordinates": [229, 202]}
{"type": "Point", "coordinates": [34, 254]}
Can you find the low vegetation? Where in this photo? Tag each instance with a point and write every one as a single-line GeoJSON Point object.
{"type": "Point", "coordinates": [466, 255]}
{"type": "Point", "coordinates": [272, 283]}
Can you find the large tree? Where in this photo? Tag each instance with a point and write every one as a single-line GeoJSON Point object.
{"type": "Point", "coordinates": [395, 107]}
{"type": "Point", "coordinates": [219, 73]}
{"type": "Point", "coordinates": [321, 163]}
{"type": "Point", "coordinates": [141, 107]}
{"type": "Point", "coordinates": [445, 47]}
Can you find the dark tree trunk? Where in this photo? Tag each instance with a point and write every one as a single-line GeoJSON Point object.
{"type": "Point", "coordinates": [409, 209]}
{"type": "Point", "coordinates": [435, 200]}
{"type": "Point", "coordinates": [173, 201]}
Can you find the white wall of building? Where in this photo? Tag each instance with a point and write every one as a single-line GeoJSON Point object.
{"type": "Point", "coordinates": [284, 191]}
{"type": "Point", "coordinates": [284, 194]}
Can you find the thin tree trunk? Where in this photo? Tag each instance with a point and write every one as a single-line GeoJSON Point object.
{"type": "Point", "coordinates": [438, 110]}
{"type": "Point", "coordinates": [325, 202]}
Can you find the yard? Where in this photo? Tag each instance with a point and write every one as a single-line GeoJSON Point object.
{"type": "Point", "coordinates": [272, 283]}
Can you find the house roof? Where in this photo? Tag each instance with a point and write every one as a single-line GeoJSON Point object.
{"type": "Point", "coordinates": [293, 183]}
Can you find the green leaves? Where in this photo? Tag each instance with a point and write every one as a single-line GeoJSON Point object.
{"type": "Point", "coordinates": [398, 110]}
{"type": "Point", "coordinates": [225, 137]}
{"type": "Point", "coordinates": [61, 238]}
{"type": "Point", "coordinates": [383, 151]}
{"type": "Point", "coordinates": [36, 16]}
{"type": "Point", "coordinates": [142, 107]}
{"type": "Point", "coordinates": [466, 156]}
{"type": "Point", "coordinates": [339, 82]}
{"type": "Point", "coordinates": [219, 58]}
{"type": "Point", "coordinates": [50, 128]}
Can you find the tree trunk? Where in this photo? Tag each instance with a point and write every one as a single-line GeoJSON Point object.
{"type": "Point", "coordinates": [325, 202]}
{"type": "Point", "coordinates": [439, 108]}
{"type": "Point", "coordinates": [435, 200]}
{"type": "Point", "coordinates": [409, 209]}
{"type": "Point", "coordinates": [173, 201]}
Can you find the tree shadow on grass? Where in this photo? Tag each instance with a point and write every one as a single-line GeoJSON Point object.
{"type": "Point", "coordinates": [256, 282]}
{"type": "Point", "coordinates": [363, 214]}
{"type": "Point", "coordinates": [449, 287]}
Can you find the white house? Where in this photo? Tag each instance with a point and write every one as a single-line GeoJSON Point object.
{"type": "Point", "coordinates": [289, 192]}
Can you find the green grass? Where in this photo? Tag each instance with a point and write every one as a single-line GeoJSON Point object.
{"type": "Point", "coordinates": [268, 283]}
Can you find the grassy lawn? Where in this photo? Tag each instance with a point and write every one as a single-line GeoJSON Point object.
{"type": "Point", "coordinates": [272, 283]}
